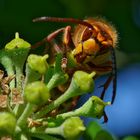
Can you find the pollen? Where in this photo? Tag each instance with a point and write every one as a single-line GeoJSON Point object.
{"type": "Point", "coordinates": [78, 49]}
{"type": "Point", "coordinates": [90, 46]}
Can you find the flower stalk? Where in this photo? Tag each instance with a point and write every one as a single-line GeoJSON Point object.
{"type": "Point", "coordinates": [94, 107]}
{"type": "Point", "coordinates": [27, 112]}
{"type": "Point", "coordinates": [70, 129]}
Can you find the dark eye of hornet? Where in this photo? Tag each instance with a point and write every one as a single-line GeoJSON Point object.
{"type": "Point", "coordinates": [92, 43]}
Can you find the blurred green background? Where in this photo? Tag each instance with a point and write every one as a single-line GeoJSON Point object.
{"type": "Point", "coordinates": [17, 15]}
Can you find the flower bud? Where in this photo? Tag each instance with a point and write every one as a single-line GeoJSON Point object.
{"type": "Point", "coordinates": [94, 107]}
{"type": "Point", "coordinates": [17, 43]}
{"type": "Point", "coordinates": [7, 123]}
{"type": "Point", "coordinates": [84, 81]}
{"type": "Point", "coordinates": [36, 93]}
{"type": "Point", "coordinates": [73, 128]}
{"type": "Point", "coordinates": [38, 63]}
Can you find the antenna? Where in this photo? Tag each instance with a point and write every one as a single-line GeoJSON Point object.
{"type": "Point", "coordinates": [57, 19]}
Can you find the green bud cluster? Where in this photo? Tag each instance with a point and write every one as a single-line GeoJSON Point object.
{"type": "Point", "coordinates": [77, 87]}
{"type": "Point", "coordinates": [40, 92]}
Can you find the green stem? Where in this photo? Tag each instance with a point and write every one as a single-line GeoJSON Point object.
{"type": "Point", "coordinates": [20, 134]}
{"type": "Point", "coordinates": [53, 81]}
{"type": "Point", "coordinates": [8, 65]}
{"type": "Point", "coordinates": [70, 114]}
{"type": "Point", "coordinates": [44, 135]}
{"type": "Point", "coordinates": [17, 133]}
{"type": "Point", "coordinates": [93, 107]}
{"type": "Point", "coordinates": [56, 103]}
{"type": "Point", "coordinates": [19, 75]}
{"type": "Point", "coordinates": [57, 79]}
{"type": "Point", "coordinates": [53, 131]}
{"type": "Point", "coordinates": [27, 112]}
{"type": "Point", "coordinates": [18, 109]}
{"type": "Point", "coordinates": [31, 75]}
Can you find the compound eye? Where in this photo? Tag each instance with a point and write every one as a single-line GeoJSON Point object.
{"type": "Point", "coordinates": [87, 34]}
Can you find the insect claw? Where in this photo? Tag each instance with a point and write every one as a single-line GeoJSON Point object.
{"type": "Point", "coordinates": [105, 118]}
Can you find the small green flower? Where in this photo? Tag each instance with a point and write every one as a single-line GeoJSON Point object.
{"type": "Point", "coordinates": [36, 93]}
{"type": "Point", "coordinates": [70, 129]}
{"type": "Point", "coordinates": [73, 128]}
{"type": "Point", "coordinates": [84, 81]}
{"type": "Point", "coordinates": [94, 107]}
{"type": "Point", "coordinates": [17, 43]}
{"type": "Point", "coordinates": [38, 63]}
{"type": "Point", "coordinates": [7, 123]}
{"type": "Point", "coordinates": [16, 52]}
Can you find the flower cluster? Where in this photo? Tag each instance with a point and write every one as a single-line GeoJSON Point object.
{"type": "Point", "coordinates": [38, 98]}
